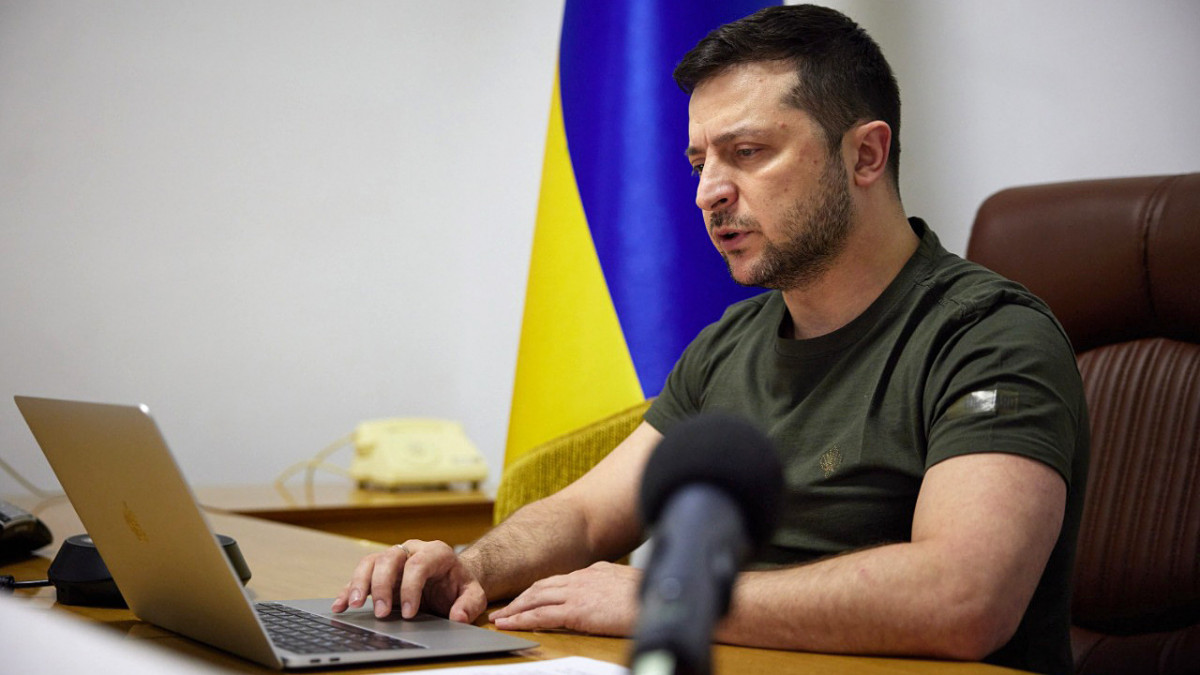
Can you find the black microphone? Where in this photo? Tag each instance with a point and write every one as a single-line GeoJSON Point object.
{"type": "Point", "coordinates": [711, 491]}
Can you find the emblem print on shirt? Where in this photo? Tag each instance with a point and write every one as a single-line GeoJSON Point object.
{"type": "Point", "coordinates": [831, 460]}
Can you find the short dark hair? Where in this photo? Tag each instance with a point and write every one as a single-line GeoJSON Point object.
{"type": "Point", "coordinates": [843, 78]}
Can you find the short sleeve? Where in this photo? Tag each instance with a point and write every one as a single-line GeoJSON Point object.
{"type": "Point", "coordinates": [1008, 383]}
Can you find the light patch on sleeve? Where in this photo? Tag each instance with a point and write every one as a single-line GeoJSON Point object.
{"type": "Point", "coordinates": [984, 402]}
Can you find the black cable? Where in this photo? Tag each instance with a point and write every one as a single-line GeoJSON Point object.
{"type": "Point", "coordinates": [8, 583]}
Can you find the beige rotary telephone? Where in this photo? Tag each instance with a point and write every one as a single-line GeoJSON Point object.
{"type": "Point", "coordinates": [410, 452]}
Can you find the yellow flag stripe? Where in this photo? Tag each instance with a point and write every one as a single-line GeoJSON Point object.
{"type": "Point", "coordinates": [573, 366]}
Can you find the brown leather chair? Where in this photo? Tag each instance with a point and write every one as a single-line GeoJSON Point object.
{"type": "Point", "coordinates": [1118, 261]}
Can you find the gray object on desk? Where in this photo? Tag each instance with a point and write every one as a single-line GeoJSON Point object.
{"type": "Point", "coordinates": [128, 491]}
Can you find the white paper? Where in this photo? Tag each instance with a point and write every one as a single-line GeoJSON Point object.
{"type": "Point", "coordinates": [37, 639]}
{"type": "Point", "coordinates": [570, 665]}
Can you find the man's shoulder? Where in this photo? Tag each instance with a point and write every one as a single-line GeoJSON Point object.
{"type": "Point", "coordinates": [967, 288]}
{"type": "Point", "coordinates": [750, 320]}
{"type": "Point", "coordinates": [750, 307]}
{"type": "Point", "coordinates": [745, 315]}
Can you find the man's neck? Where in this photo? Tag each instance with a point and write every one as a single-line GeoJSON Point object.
{"type": "Point", "coordinates": [875, 253]}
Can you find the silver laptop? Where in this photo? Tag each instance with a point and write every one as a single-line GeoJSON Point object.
{"type": "Point", "coordinates": [132, 498]}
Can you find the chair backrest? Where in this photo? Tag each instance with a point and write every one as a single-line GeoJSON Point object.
{"type": "Point", "coordinates": [553, 465]}
{"type": "Point", "coordinates": [1118, 261]}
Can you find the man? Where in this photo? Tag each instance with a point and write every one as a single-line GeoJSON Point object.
{"type": "Point", "coordinates": [928, 413]}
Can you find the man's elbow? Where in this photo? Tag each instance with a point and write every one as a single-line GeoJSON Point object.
{"type": "Point", "coordinates": [976, 630]}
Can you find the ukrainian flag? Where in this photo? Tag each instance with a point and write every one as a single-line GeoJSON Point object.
{"type": "Point", "coordinates": [622, 275]}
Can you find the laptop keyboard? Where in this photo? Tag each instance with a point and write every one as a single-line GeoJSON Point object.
{"type": "Point", "coordinates": [304, 633]}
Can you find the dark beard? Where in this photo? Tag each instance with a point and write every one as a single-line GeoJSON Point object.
{"type": "Point", "coordinates": [816, 230]}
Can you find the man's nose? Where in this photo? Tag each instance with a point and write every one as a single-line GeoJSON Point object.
{"type": "Point", "coordinates": [715, 191]}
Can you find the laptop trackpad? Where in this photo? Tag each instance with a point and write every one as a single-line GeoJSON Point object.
{"type": "Point", "coordinates": [423, 629]}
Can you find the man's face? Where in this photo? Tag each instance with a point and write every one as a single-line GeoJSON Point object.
{"type": "Point", "coordinates": [776, 204]}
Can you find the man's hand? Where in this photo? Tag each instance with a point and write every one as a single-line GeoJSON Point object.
{"type": "Point", "coordinates": [418, 574]}
{"type": "Point", "coordinates": [599, 600]}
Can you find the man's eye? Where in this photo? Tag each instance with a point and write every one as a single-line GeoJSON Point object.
{"type": "Point", "coordinates": [697, 169]}
{"type": "Point", "coordinates": [746, 152]}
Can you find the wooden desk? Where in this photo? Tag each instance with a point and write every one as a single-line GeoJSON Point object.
{"type": "Point", "coordinates": [290, 562]}
{"type": "Point", "coordinates": [454, 516]}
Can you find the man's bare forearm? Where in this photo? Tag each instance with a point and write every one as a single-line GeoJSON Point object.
{"type": "Point", "coordinates": [983, 530]}
{"type": "Point", "coordinates": [595, 518]}
{"type": "Point", "coordinates": [537, 541]}
{"type": "Point", "coordinates": [888, 600]}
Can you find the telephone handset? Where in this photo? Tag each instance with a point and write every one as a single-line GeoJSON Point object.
{"type": "Point", "coordinates": [411, 452]}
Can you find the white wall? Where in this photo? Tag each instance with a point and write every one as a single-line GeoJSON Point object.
{"type": "Point", "coordinates": [268, 220]}
{"type": "Point", "coordinates": [272, 220]}
{"type": "Point", "coordinates": [1011, 92]}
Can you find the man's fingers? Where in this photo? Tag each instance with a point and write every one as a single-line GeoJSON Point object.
{"type": "Point", "coordinates": [468, 606]}
{"type": "Point", "coordinates": [387, 569]}
{"type": "Point", "coordinates": [412, 574]}
{"type": "Point", "coordinates": [599, 599]}
{"type": "Point", "coordinates": [544, 617]}
{"type": "Point", "coordinates": [548, 591]}
{"type": "Point", "coordinates": [355, 592]}
{"type": "Point", "coordinates": [342, 602]}
{"type": "Point", "coordinates": [426, 560]}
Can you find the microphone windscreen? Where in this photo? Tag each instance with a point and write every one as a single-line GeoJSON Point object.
{"type": "Point", "coordinates": [724, 451]}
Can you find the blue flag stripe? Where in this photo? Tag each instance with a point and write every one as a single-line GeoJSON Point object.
{"type": "Point", "coordinates": [626, 128]}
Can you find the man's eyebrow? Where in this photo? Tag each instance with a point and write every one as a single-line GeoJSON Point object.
{"type": "Point", "coordinates": [729, 137]}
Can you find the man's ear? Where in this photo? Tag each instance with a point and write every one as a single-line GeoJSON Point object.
{"type": "Point", "coordinates": [868, 147]}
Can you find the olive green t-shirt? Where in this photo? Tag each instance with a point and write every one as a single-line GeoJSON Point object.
{"type": "Point", "coordinates": [951, 359]}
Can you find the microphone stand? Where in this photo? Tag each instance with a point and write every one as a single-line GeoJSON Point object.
{"type": "Point", "coordinates": [697, 548]}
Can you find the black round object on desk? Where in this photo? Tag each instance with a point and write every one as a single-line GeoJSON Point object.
{"type": "Point", "coordinates": [80, 576]}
